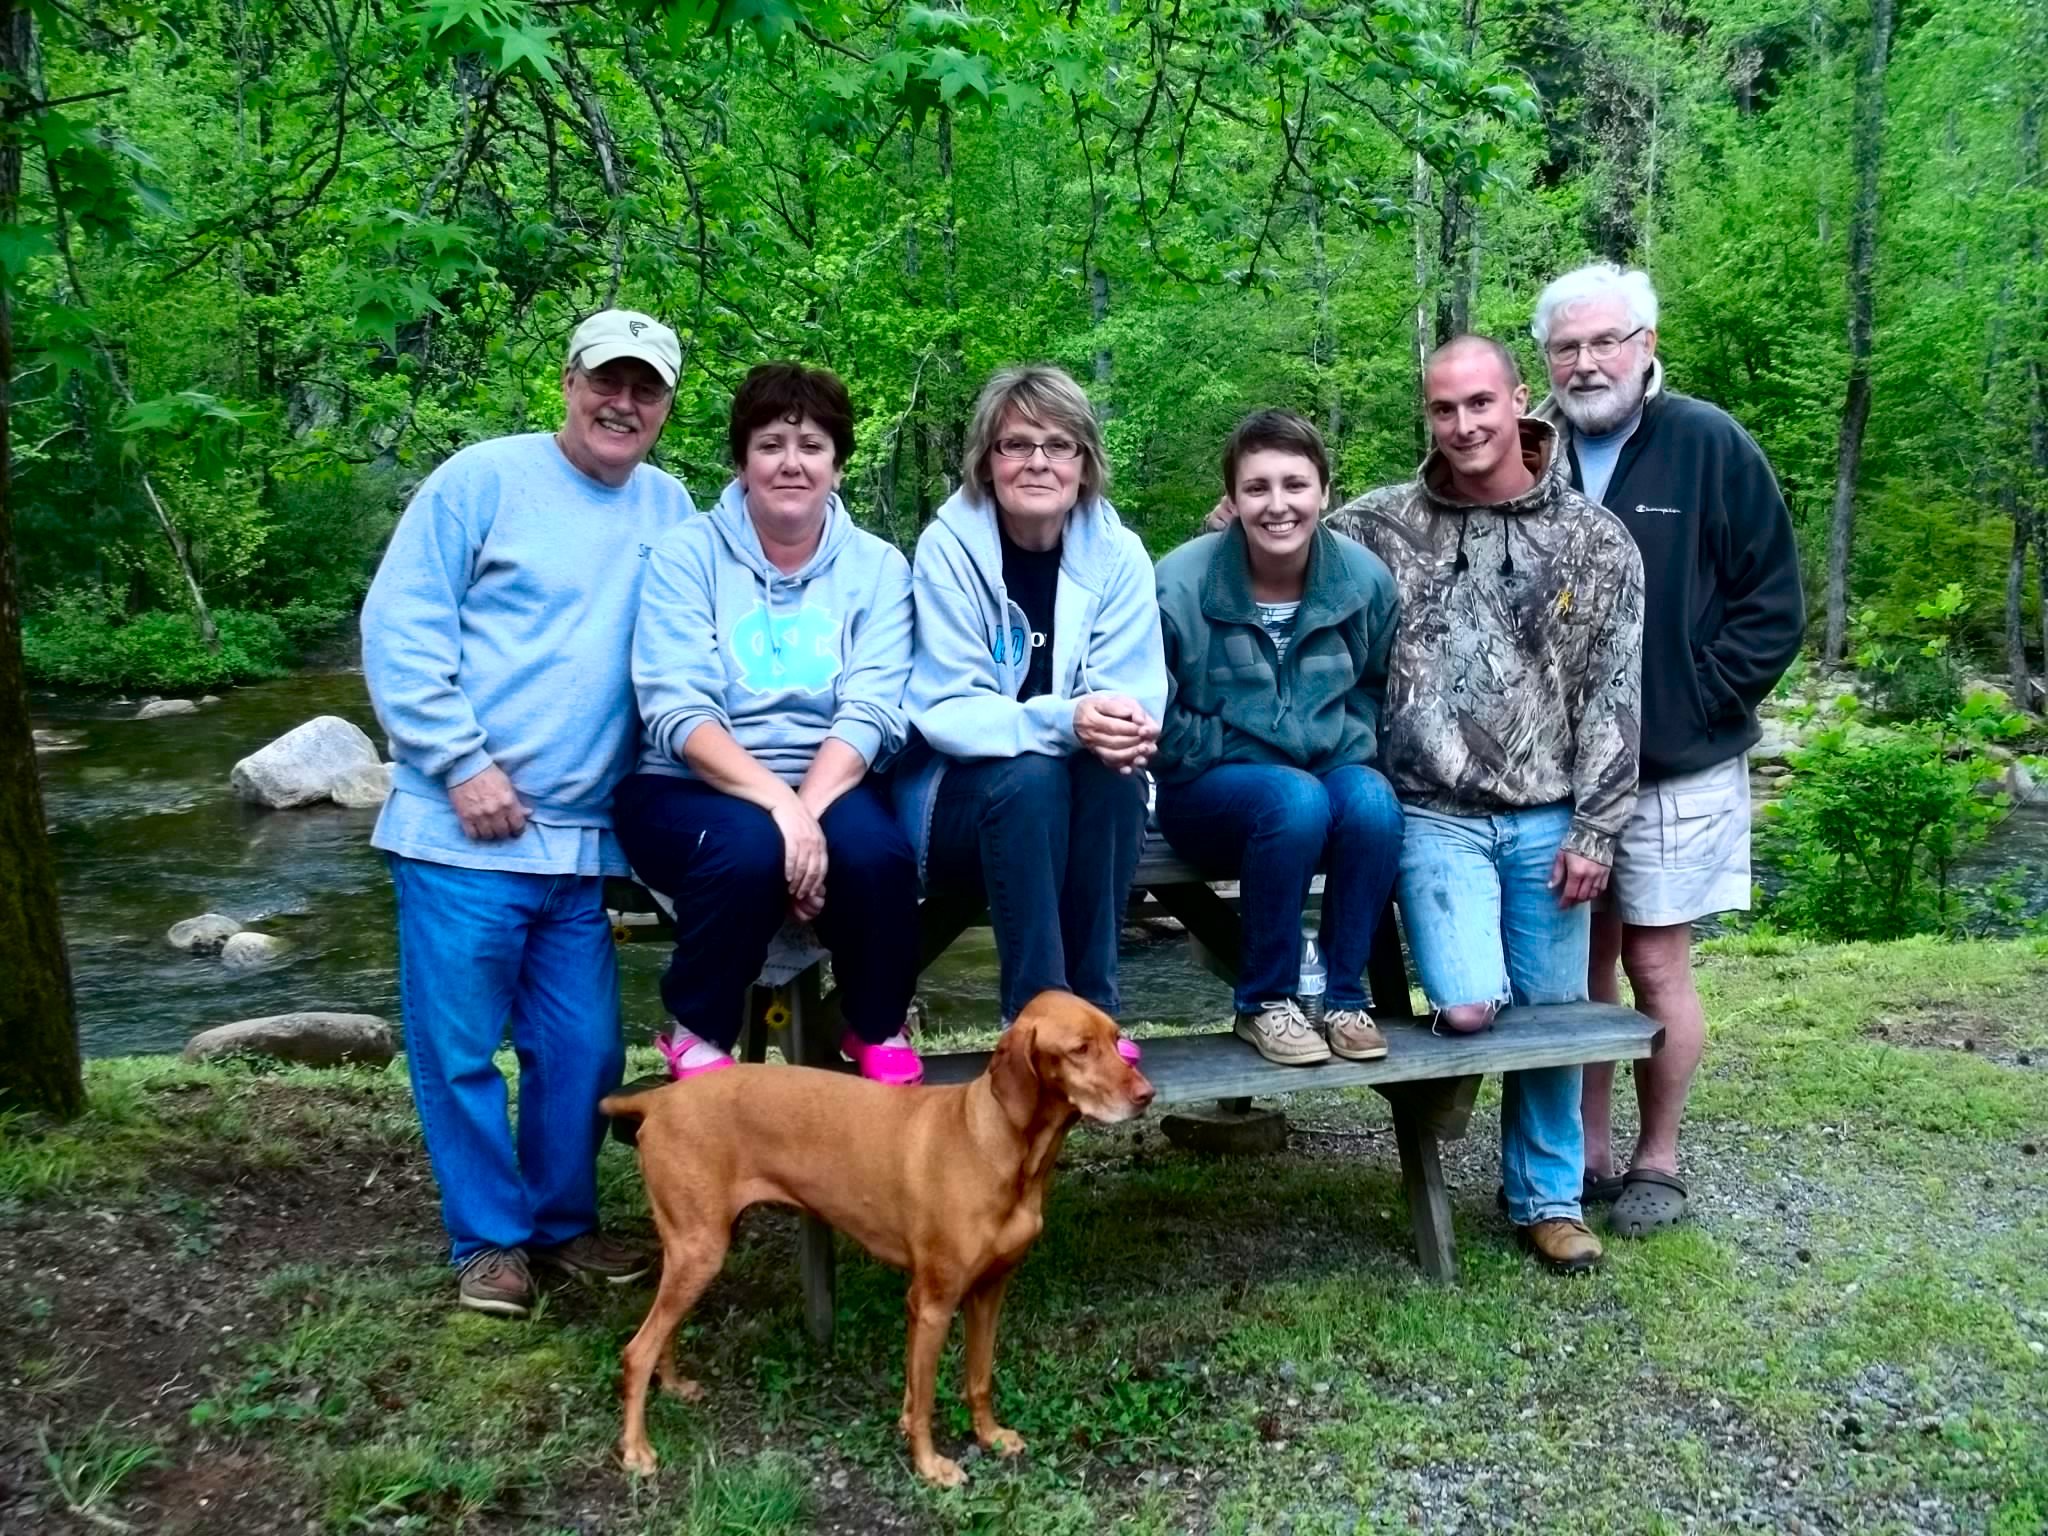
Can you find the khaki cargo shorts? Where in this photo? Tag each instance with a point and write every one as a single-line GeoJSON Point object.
{"type": "Point", "coordinates": [1685, 851]}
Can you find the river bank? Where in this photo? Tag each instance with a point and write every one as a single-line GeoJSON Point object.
{"type": "Point", "coordinates": [146, 834]}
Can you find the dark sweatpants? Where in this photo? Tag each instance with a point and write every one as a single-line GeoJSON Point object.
{"type": "Point", "coordinates": [719, 859]}
{"type": "Point", "coordinates": [1053, 843]}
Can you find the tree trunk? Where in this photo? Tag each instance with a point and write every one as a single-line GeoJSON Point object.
{"type": "Point", "coordinates": [2019, 683]}
{"type": "Point", "coordinates": [38, 1028]}
{"type": "Point", "coordinates": [954, 426]}
{"type": "Point", "coordinates": [1455, 228]}
{"type": "Point", "coordinates": [1323, 345]}
{"type": "Point", "coordinates": [2021, 502]}
{"type": "Point", "coordinates": [1866, 156]}
{"type": "Point", "coordinates": [2037, 425]}
{"type": "Point", "coordinates": [1422, 306]}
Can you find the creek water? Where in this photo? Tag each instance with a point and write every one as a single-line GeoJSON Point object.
{"type": "Point", "coordinates": [146, 833]}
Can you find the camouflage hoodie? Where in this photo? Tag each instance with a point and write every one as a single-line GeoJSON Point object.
{"type": "Point", "coordinates": [1515, 679]}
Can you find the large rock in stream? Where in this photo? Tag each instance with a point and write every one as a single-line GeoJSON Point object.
{"type": "Point", "coordinates": [157, 709]}
{"type": "Point", "coordinates": [304, 765]}
{"type": "Point", "coordinates": [309, 1039]}
{"type": "Point", "coordinates": [202, 935]}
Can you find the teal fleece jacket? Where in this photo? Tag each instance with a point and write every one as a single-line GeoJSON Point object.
{"type": "Point", "coordinates": [782, 661]}
{"type": "Point", "coordinates": [1232, 699]}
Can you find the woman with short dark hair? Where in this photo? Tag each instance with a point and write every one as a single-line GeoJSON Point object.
{"type": "Point", "coordinates": [1037, 685]}
{"type": "Point", "coordinates": [769, 663]}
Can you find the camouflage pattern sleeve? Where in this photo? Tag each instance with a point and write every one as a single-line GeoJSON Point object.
{"type": "Point", "coordinates": [1606, 703]}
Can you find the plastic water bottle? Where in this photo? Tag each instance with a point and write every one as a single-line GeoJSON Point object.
{"type": "Point", "coordinates": [1315, 978]}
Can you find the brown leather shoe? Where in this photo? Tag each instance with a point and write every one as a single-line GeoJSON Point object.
{"type": "Point", "coordinates": [1353, 1035]}
{"type": "Point", "coordinates": [496, 1281]}
{"type": "Point", "coordinates": [593, 1256]}
{"type": "Point", "coordinates": [1565, 1245]}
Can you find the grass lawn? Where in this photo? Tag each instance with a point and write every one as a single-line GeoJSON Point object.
{"type": "Point", "coordinates": [222, 1309]}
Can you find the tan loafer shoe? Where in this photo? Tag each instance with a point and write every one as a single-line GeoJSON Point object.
{"type": "Point", "coordinates": [1280, 1032]}
{"type": "Point", "coordinates": [1353, 1035]}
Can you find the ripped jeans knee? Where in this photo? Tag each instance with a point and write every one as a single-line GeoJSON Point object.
{"type": "Point", "coordinates": [1462, 1018]}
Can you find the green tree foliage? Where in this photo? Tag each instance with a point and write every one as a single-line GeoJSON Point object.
{"type": "Point", "coordinates": [282, 258]}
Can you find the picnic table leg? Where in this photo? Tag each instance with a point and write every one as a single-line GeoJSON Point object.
{"type": "Point", "coordinates": [1385, 972]}
{"type": "Point", "coordinates": [815, 1259]}
{"type": "Point", "coordinates": [1422, 1178]}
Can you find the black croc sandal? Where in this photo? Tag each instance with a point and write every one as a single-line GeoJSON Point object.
{"type": "Point", "coordinates": [1650, 1201]}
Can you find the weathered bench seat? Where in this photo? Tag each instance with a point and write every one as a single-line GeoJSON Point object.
{"type": "Point", "coordinates": [1430, 1081]}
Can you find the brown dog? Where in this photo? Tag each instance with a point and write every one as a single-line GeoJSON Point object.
{"type": "Point", "coordinates": [947, 1183]}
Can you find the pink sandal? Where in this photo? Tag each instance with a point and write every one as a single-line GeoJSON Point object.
{"type": "Point", "coordinates": [893, 1061]}
{"type": "Point", "coordinates": [689, 1055]}
{"type": "Point", "coordinates": [1127, 1048]}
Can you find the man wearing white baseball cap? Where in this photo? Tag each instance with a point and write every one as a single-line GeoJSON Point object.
{"type": "Point", "coordinates": [497, 642]}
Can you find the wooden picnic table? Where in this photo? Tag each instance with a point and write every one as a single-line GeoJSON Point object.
{"type": "Point", "coordinates": [1430, 1081]}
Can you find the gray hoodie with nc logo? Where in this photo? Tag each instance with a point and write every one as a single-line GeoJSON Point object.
{"type": "Point", "coordinates": [781, 660]}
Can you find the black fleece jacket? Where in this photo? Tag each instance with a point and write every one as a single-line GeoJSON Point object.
{"type": "Point", "coordinates": [1723, 613]}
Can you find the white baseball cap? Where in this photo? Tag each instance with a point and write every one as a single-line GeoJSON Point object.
{"type": "Point", "coordinates": [614, 333]}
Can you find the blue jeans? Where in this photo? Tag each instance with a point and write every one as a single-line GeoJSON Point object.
{"type": "Point", "coordinates": [480, 950]}
{"type": "Point", "coordinates": [720, 859]}
{"type": "Point", "coordinates": [1485, 927]}
{"type": "Point", "coordinates": [1054, 843]}
{"type": "Point", "coordinates": [1270, 829]}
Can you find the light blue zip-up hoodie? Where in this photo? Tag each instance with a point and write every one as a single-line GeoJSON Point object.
{"type": "Point", "coordinates": [973, 647]}
{"type": "Point", "coordinates": [499, 631]}
{"type": "Point", "coordinates": [781, 661]}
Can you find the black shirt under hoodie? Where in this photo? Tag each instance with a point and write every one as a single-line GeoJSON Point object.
{"type": "Point", "coordinates": [1723, 613]}
{"type": "Point", "coordinates": [1033, 579]}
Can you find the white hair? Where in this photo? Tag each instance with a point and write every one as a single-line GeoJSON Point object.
{"type": "Point", "coordinates": [1601, 280]}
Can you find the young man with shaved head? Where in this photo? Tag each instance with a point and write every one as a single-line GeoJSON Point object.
{"type": "Point", "coordinates": [1511, 738]}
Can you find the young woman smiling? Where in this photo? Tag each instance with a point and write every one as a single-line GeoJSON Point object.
{"type": "Point", "coordinates": [1276, 633]}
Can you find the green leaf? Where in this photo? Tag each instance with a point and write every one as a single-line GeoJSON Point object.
{"type": "Point", "coordinates": [22, 243]}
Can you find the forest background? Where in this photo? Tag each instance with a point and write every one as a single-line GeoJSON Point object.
{"type": "Point", "coordinates": [271, 260]}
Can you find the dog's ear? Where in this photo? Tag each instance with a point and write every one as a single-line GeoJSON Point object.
{"type": "Point", "coordinates": [1013, 1071]}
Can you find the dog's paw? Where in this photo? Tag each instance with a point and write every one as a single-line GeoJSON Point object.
{"type": "Point", "coordinates": [638, 1459]}
{"type": "Point", "coordinates": [1004, 1442]}
{"type": "Point", "coordinates": [681, 1386]}
{"type": "Point", "coordinates": [942, 1472]}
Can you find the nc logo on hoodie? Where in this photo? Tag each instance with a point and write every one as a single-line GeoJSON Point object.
{"type": "Point", "coordinates": [786, 653]}
{"type": "Point", "coordinates": [1015, 651]}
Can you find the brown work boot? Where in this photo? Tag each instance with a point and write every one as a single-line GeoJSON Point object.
{"type": "Point", "coordinates": [1353, 1035]}
{"type": "Point", "coordinates": [1565, 1245]}
{"type": "Point", "coordinates": [497, 1281]}
{"type": "Point", "coordinates": [593, 1256]}
{"type": "Point", "coordinates": [1280, 1032]}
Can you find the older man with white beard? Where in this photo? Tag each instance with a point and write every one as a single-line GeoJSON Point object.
{"type": "Point", "coordinates": [1722, 619]}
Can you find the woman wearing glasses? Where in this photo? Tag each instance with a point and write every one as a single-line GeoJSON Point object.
{"type": "Point", "coordinates": [1037, 681]}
